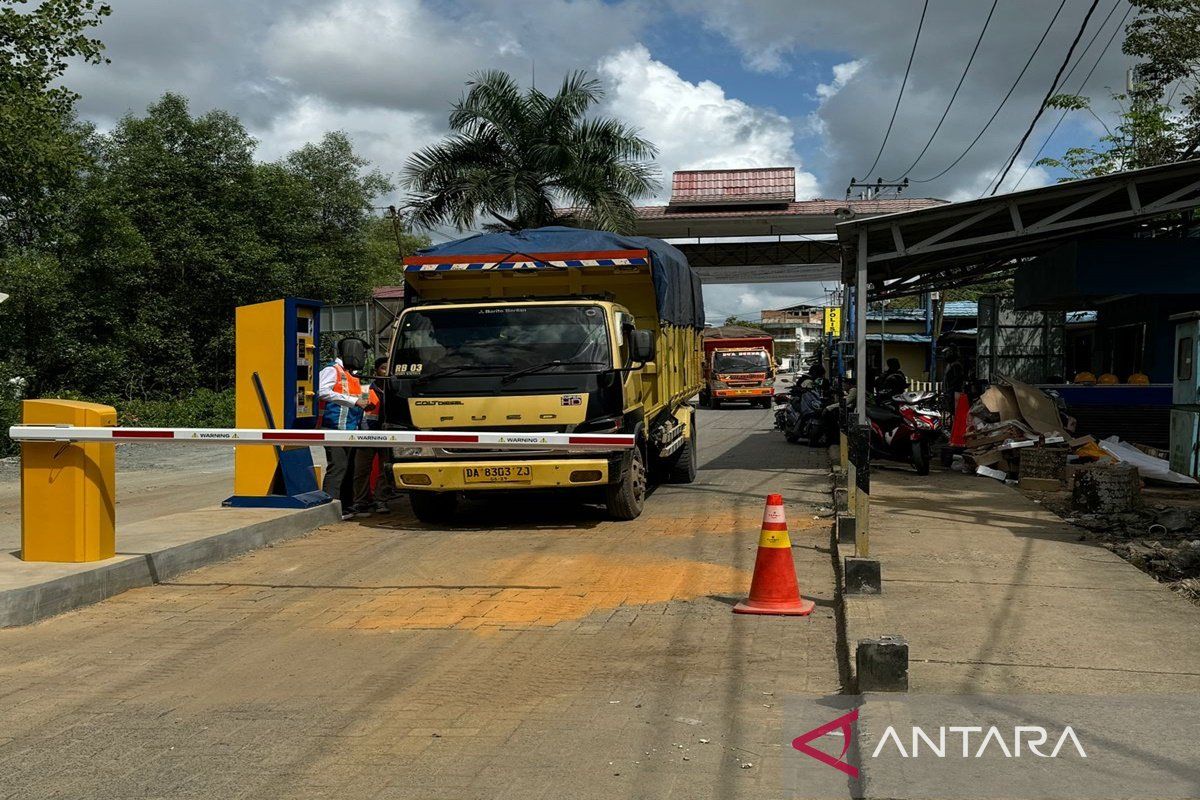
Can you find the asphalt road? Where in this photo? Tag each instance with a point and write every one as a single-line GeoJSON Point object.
{"type": "Point", "coordinates": [532, 649]}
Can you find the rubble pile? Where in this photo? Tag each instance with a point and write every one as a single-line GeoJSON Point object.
{"type": "Point", "coordinates": [1018, 433]}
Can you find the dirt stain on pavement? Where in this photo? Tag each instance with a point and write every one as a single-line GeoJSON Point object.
{"type": "Point", "coordinates": [574, 588]}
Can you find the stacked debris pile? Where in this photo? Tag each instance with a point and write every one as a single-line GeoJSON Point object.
{"type": "Point", "coordinates": [1018, 433]}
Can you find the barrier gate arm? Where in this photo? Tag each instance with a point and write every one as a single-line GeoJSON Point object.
{"type": "Point", "coordinates": [481, 440]}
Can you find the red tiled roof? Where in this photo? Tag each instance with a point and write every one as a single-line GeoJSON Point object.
{"type": "Point", "coordinates": [728, 186]}
{"type": "Point", "coordinates": [388, 292]}
{"type": "Point", "coordinates": [870, 208]}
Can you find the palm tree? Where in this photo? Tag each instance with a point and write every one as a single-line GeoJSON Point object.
{"type": "Point", "coordinates": [513, 157]}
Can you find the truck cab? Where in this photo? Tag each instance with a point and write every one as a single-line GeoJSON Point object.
{"type": "Point", "coordinates": [738, 368]}
{"type": "Point", "coordinates": [540, 349]}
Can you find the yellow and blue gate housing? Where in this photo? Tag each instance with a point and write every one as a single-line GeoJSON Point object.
{"type": "Point", "coordinates": [277, 374]}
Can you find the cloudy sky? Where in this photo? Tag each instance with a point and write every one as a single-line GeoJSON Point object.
{"type": "Point", "coordinates": [714, 83]}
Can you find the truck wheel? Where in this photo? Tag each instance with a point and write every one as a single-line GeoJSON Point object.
{"type": "Point", "coordinates": [625, 499]}
{"type": "Point", "coordinates": [684, 468]}
{"type": "Point", "coordinates": [434, 507]}
{"type": "Point", "coordinates": [714, 403]}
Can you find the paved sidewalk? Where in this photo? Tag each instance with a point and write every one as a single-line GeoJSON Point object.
{"type": "Point", "coordinates": [997, 594]}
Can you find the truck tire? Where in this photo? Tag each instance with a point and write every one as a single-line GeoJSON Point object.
{"type": "Point", "coordinates": [625, 499]}
{"type": "Point", "coordinates": [714, 403]}
{"type": "Point", "coordinates": [434, 508]}
{"type": "Point", "coordinates": [684, 468]}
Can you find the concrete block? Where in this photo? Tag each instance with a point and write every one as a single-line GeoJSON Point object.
{"type": "Point", "coordinates": [1106, 488]}
{"type": "Point", "coordinates": [862, 576]}
{"type": "Point", "coordinates": [840, 498]}
{"type": "Point", "coordinates": [845, 528]}
{"type": "Point", "coordinates": [881, 665]}
{"type": "Point", "coordinates": [1042, 462]}
{"type": "Point", "coordinates": [1040, 484]}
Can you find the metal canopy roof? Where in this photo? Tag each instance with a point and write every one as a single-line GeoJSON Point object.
{"type": "Point", "coordinates": [963, 243]}
{"type": "Point", "coordinates": [803, 217]}
{"type": "Point", "coordinates": [763, 262]}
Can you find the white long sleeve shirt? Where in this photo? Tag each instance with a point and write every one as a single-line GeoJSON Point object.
{"type": "Point", "coordinates": [325, 386]}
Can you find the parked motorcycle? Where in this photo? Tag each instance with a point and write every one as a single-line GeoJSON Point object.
{"type": "Point", "coordinates": [803, 414]}
{"type": "Point", "coordinates": [904, 427]}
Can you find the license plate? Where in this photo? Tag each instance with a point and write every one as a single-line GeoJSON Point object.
{"type": "Point", "coordinates": [498, 474]}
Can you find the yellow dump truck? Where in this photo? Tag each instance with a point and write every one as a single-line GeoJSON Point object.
{"type": "Point", "coordinates": [552, 330]}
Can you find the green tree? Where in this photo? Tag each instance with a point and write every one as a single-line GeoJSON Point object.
{"type": "Point", "coordinates": [1146, 134]}
{"type": "Point", "coordinates": [388, 242]}
{"type": "Point", "coordinates": [514, 157]}
{"type": "Point", "coordinates": [41, 146]}
{"type": "Point", "coordinates": [177, 224]}
{"type": "Point", "coordinates": [336, 209]}
{"type": "Point", "coordinates": [745, 323]}
{"type": "Point", "coordinates": [1165, 38]}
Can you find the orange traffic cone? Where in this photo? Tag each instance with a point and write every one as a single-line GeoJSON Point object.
{"type": "Point", "coordinates": [774, 590]}
{"type": "Point", "coordinates": [958, 428]}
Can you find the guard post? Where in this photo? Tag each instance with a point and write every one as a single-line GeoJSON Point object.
{"type": "Point", "coordinates": [862, 492]}
{"type": "Point", "coordinates": [68, 489]}
{"type": "Point", "coordinates": [276, 373]}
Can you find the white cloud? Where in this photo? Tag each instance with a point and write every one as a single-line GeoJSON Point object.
{"type": "Point", "coordinates": [1021, 176]}
{"type": "Point", "coordinates": [696, 125]}
{"type": "Point", "coordinates": [745, 301]}
{"type": "Point", "coordinates": [775, 35]}
{"type": "Point", "coordinates": [842, 73]}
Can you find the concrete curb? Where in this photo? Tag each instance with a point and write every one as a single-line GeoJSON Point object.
{"type": "Point", "coordinates": [27, 604]}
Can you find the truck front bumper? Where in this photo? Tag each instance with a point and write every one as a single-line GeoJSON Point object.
{"type": "Point", "coordinates": [452, 476]}
{"type": "Point", "coordinates": [754, 391]}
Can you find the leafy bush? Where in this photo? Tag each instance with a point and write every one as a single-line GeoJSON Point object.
{"type": "Point", "coordinates": [203, 409]}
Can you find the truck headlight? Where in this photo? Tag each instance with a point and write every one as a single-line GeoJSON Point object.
{"type": "Point", "coordinates": [719, 385]}
{"type": "Point", "coordinates": [769, 382]}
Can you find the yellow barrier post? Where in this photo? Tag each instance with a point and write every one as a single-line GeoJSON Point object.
{"type": "Point", "coordinates": [68, 490]}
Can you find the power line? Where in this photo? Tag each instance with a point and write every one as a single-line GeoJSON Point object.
{"type": "Point", "coordinates": [961, 79]}
{"type": "Point", "coordinates": [1049, 93]}
{"type": "Point", "coordinates": [1099, 30]}
{"type": "Point", "coordinates": [1082, 84]}
{"type": "Point", "coordinates": [1004, 100]}
{"type": "Point", "coordinates": [903, 83]}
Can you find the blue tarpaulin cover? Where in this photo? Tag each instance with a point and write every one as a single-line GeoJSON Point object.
{"type": "Point", "coordinates": [676, 287]}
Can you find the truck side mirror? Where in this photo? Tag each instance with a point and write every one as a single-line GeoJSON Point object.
{"type": "Point", "coordinates": [641, 346]}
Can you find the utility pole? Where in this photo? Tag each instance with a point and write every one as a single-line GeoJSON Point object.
{"type": "Point", "coordinates": [869, 191]}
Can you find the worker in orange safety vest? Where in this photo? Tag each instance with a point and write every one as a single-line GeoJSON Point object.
{"type": "Point", "coordinates": [366, 499]}
{"type": "Point", "coordinates": [340, 406]}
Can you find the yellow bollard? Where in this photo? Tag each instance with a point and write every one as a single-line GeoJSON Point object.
{"type": "Point", "coordinates": [68, 489]}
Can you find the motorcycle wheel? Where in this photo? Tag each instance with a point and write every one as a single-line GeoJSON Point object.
{"type": "Point", "coordinates": [920, 456]}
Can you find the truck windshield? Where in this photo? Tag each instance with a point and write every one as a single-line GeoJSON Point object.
{"type": "Point", "coordinates": [500, 339]}
{"type": "Point", "coordinates": [740, 361]}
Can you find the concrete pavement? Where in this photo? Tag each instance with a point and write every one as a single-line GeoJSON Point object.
{"type": "Point", "coordinates": [533, 649]}
{"type": "Point", "coordinates": [997, 594]}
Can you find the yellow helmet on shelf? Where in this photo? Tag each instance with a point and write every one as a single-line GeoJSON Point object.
{"type": "Point", "coordinates": [1084, 377]}
{"type": "Point", "coordinates": [1139, 379]}
{"type": "Point", "coordinates": [1108, 379]}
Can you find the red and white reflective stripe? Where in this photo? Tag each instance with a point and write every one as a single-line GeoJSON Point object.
{"type": "Point", "coordinates": [774, 518]}
{"type": "Point", "coordinates": [481, 440]}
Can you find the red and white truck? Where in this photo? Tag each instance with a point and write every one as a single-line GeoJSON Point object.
{"type": "Point", "coordinates": [737, 367]}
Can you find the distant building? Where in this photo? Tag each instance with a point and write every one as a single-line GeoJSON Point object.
{"type": "Point", "coordinates": [795, 329]}
{"type": "Point", "coordinates": [903, 333]}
